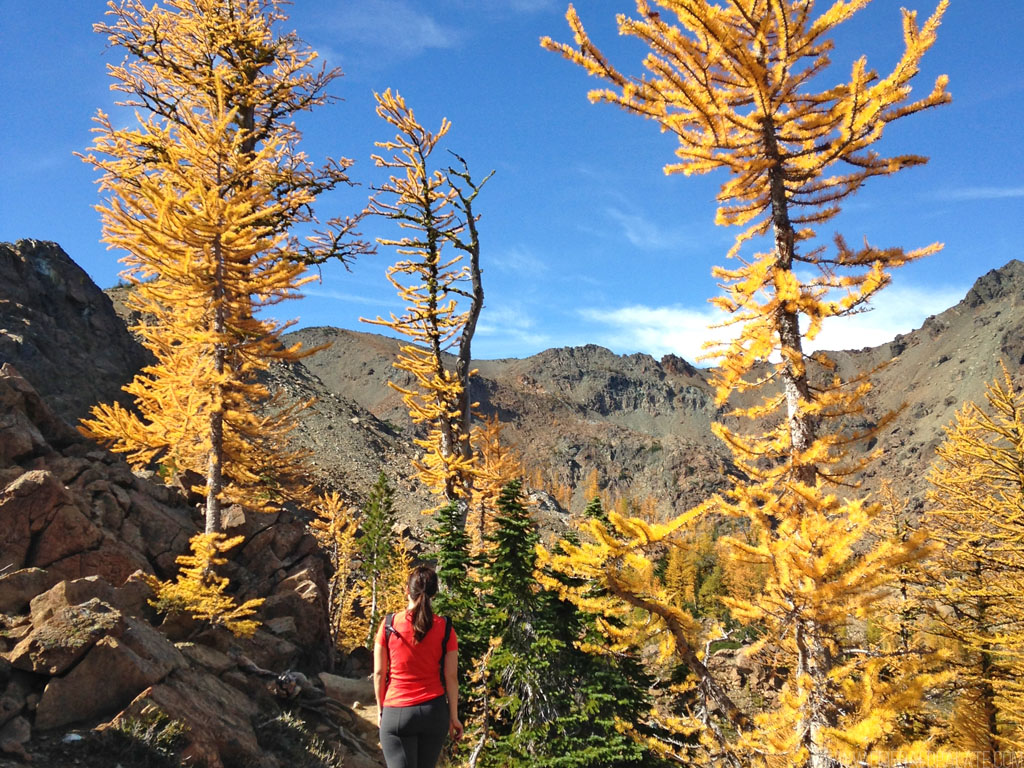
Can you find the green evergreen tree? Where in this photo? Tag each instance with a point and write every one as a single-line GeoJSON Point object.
{"type": "Point", "coordinates": [377, 545]}
{"type": "Point", "coordinates": [595, 510]}
{"type": "Point", "coordinates": [460, 598]}
{"type": "Point", "coordinates": [459, 595]}
{"type": "Point", "coordinates": [550, 705]}
{"type": "Point", "coordinates": [451, 551]}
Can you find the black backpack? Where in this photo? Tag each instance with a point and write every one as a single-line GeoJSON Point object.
{"type": "Point", "coordinates": [389, 630]}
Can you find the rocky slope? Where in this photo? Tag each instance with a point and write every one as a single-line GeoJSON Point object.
{"type": "Point", "coordinates": [929, 374]}
{"type": "Point", "coordinates": [642, 425]}
{"type": "Point", "coordinates": [81, 649]}
{"type": "Point", "coordinates": [61, 330]}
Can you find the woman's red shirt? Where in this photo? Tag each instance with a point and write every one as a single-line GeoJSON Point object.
{"type": "Point", "coordinates": [415, 671]}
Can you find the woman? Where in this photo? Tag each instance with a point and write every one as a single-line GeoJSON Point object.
{"type": "Point", "coordinates": [415, 677]}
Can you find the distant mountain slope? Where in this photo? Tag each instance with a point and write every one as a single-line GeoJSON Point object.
{"type": "Point", "coordinates": [642, 425]}
{"type": "Point", "coordinates": [934, 370]}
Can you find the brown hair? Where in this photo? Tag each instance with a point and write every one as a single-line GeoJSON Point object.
{"type": "Point", "coordinates": [422, 587]}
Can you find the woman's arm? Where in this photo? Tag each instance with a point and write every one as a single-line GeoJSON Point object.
{"type": "Point", "coordinates": [380, 675]}
{"type": "Point", "coordinates": [451, 687]}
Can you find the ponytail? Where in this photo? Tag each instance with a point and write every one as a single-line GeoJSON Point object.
{"type": "Point", "coordinates": [422, 587]}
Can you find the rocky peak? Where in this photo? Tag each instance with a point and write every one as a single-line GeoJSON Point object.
{"type": "Point", "coordinates": [61, 330]}
{"type": "Point", "coordinates": [1005, 282]}
{"type": "Point", "coordinates": [677, 366]}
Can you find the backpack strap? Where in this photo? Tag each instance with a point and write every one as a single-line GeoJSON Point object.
{"type": "Point", "coordinates": [389, 630]}
{"type": "Point", "coordinates": [444, 645]}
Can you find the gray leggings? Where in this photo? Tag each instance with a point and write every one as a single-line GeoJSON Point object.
{"type": "Point", "coordinates": [412, 737]}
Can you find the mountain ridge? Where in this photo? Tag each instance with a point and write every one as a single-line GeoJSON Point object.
{"type": "Point", "coordinates": [639, 425]}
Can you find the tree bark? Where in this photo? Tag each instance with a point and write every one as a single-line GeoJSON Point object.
{"type": "Point", "coordinates": [796, 388]}
{"type": "Point", "coordinates": [215, 471]}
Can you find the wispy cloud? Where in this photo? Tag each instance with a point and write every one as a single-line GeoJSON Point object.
{"type": "Point", "coordinates": [520, 261]}
{"type": "Point", "coordinates": [511, 328]}
{"type": "Point", "coordinates": [645, 233]}
{"type": "Point", "coordinates": [980, 193]}
{"type": "Point", "coordinates": [526, 6]}
{"type": "Point", "coordinates": [516, 6]}
{"type": "Point", "coordinates": [351, 298]}
{"type": "Point", "coordinates": [395, 28]}
{"type": "Point", "coordinates": [684, 330]}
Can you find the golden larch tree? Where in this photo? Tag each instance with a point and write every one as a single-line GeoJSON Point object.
{"type": "Point", "coordinates": [732, 81]}
{"type": "Point", "coordinates": [976, 514]}
{"type": "Point", "coordinates": [613, 575]}
{"type": "Point", "coordinates": [335, 528]}
{"type": "Point", "coordinates": [497, 465]}
{"type": "Point", "coordinates": [201, 593]}
{"type": "Point", "coordinates": [203, 189]}
{"type": "Point", "coordinates": [436, 207]}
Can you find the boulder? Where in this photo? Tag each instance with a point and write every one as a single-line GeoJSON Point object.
{"type": "Point", "coordinates": [113, 673]}
{"type": "Point", "coordinates": [14, 735]}
{"type": "Point", "coordinates": [165, 531]}
{"type": "Point", "coordinates": [210, 658]}
{"type": "Point", "coordinates": [33, 420]}
{"type": "Point", "coordinates": [111, 560]}
{"type": "Point", "coordinates": [19, 587]}
{"type": "Point", "coordinates": [301, 597]}
{"type": "Point", "coordinates": [130, 598]}
{"type": "Point", "coordinates": [13, 630]}
{"type": "Point", "coordinates": [258, 556]}
{"type": "Point", "coordinates": [282, 625]}
{"type": "Point", "coordinates": [26, 506]}
{"type": "Point", "coordinates": [269, 651]}
{"type": "Point", "coordinates": [287, 540]}
{"type": "Point", "coordinates": [19, 437]}
{"type": "Point", "coordinates": [67, 532]}
{"type": "Point", "coordinates": [217, 716]}
{"type": "Point", "coordinates": [348, 690]}
{"type": "Point", "coordinates": [64, 636]}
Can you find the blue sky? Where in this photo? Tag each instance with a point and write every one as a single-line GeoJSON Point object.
{"type": "Point", "coordinates": [584, 239]}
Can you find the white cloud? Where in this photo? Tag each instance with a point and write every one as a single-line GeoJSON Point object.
{"type": "Point", "coordinates": [895, 310]}
{"type": "Point", "coordinates": [980, 193]}
{"type": "Point", "coordinates": [684, 330]}
{"type": "Point", "coordinates": [657, 331]}
{"type": "Point", "coordinates": [395, 28]}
